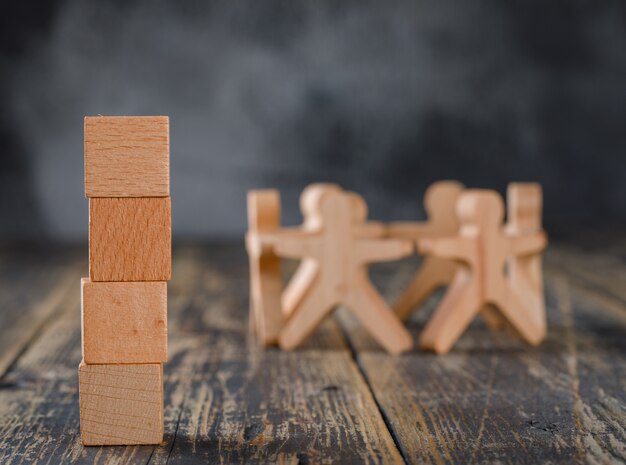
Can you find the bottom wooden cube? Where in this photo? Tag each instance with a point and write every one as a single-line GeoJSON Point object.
{"type": "Point", "coordinates": [121, 404]}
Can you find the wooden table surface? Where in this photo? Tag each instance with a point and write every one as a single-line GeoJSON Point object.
{"type": "Point", "coordinates": [339, 399]}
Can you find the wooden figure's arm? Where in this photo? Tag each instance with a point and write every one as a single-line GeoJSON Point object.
{"type": "Point", "coordinates": [451, 248]}
{"type": "Point", "coordinates": [299, 246]}
{"type": "Point", "coordinates": [371, 229]}
{"type": "Point", "coordinates": [407, 229]}
{"type": "Point", "coordinates": [379, 250]}
{"type": "Point", "coordinates": [528, 244]}
{"type": "Point", "coordinates": [256, 245]}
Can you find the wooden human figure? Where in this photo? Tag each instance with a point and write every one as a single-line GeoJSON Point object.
{"type": "Point", "coordinates": [440, 204]}
{"type": "Point", "coordinates": [524, 201]}
{"type": "Point", "coordinates": [266, 319]}
{"type": "Point", "coordinates": [306, 273]}
{"type": "Point", "coordinates": [482, 248]}
{"type": "Point", "coordinates": [341, 276]}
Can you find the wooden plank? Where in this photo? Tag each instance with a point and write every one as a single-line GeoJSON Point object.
{"type": "Point", "coordinates": [493, 399]}
{"type": "Point", "coordinates": [127, 156]}
{"type": "Point", "coordinates": [220, 392]}
{"type": "Point", "coordinates": [33, 281]}
{"type": "Point", "coordinates": [121, 404]}
{"type": "Point", "coordinates": [594, 269]}
{"type": "Point", "coordinates": [278, 407]}
{"type": "Point", "coordinates": [214, 279]}
{"type": "Point", "coordinates": [124, 322]}
{"type": "Point", "coordinates": [130, 239]}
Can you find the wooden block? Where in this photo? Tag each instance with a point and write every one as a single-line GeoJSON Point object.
{"type": "Point", "coordinates": [127, 156]}
{"type": "Point", "coordinates": [130, 239]}
{"type": "Point", "coordinates": [124, 322]}
{"type": "Point", "coordinates": [121, 404]}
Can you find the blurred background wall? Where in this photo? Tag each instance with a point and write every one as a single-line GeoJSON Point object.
{"type": "Point", "coordinates": [383, 97]}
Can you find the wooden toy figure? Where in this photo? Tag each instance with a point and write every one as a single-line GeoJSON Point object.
{"type": "Point", "coordinates": [341, 259]}
{"type": "Point", "coordinates": [266, 302]}
{"type": "Point", "coordinates": [266, 319]}
{"type": "Point", "coordinates": [524, 202]}
{"type": "Point", "coordinates": [482, 248]}
{"type": "Point", "coordinates": [440, 203]}
{"type": "Point", "coordinates": [306, 273]}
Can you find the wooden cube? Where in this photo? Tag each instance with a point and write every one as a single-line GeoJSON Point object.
{"type": "Point", "coordinates": [121, 404]}
{"type": "Point", "coordinates": [130, 239]}
{"type": "Point", "coordinates": [127, 156]}
{"type": "Point", "coordinates": [124, 322]}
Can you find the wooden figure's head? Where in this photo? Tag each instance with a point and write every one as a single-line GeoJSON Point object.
{"type": "Point", "coordinates": [263, 210]}
{"type": "Point", "coordinates": [338, 210]}
{"type": "Point", "coordinates": [480, 207]}
{"type": "Point", "coordinates": [359, 208]}
{"type": "Point", "coordinates": [525, 203]}
{"type": "Point", "coordinates": [440, 202]}
{"type": "Point", "coordinates": [310, 200]}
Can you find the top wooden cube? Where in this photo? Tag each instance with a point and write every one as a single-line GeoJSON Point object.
{"type": "Point", "coordinates": [127, 156]}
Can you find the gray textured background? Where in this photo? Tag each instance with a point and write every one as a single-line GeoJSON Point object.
{"type": "Point", "coordinates": [382, 97]}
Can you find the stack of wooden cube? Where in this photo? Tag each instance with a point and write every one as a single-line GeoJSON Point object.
{"type": "Point", "coordinates": [124, 300]}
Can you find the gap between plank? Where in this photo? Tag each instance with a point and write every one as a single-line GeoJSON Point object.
{"type": "Point", "coordinates": [363, 373]}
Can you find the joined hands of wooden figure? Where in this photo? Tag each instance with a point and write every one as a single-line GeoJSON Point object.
{"type": "Point", "coordinates": [305, 275]}
{"type": "Point", "coordinates": [440, 203]}
{"type": "Point", "coordinates": [482, 248]}
{"type": "Point", "coordinates": [336, 244]}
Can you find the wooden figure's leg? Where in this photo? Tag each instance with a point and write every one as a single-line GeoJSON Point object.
{"type": "Point", "coordinates": [305, 319]}
{"type": "Point", "coordinates": [532, 329]}
{"type": "Point", "coordinates": [299, 285]}
{"type": "Point", "coordinates": [454, 314]}
{"type": "Point", "coordinates": [433, 274]}
{"type": "Point", "coordinates": [265, 289]}
{"type": "Point", "coordinates": [377, 318]}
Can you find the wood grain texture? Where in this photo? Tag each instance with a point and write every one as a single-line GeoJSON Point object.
{"type": "Point", "coordinates": [130, 239]}
{"type": "Point", "coordinates": [124, 322]}
{"type": "Point", "coordinates": [52, 273]}
{"type": "Point", "coordinates": [496, 400]}
{"type": "Point", "coordinates": [228, 401]}
{"type": "Point", "coordinates": [121, 404]}
{"type": "Point", "coordinates": [127, 156]}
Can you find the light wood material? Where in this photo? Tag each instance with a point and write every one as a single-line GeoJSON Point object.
{"type": "Point", "coordinates": [482, 248]}
{"type": "Point", "coordinates": [121, 404]}
{"type": "Point", "coordinates": [341, 279]}
{"type": "Point", "coordinates": [306, 274]}
{"type": "Point", "coordinates": [525, 204]}
{"type": "Point", "coordinates": [127, 156]}
{"type": "Point", "coordinates": [439, 203]}
{"type": "Point", "coordinates": [130, 239]}
{"type": "Point", "coordinates": [266, 318]}
{"type": "Point", "coordinates": [124, 322]}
